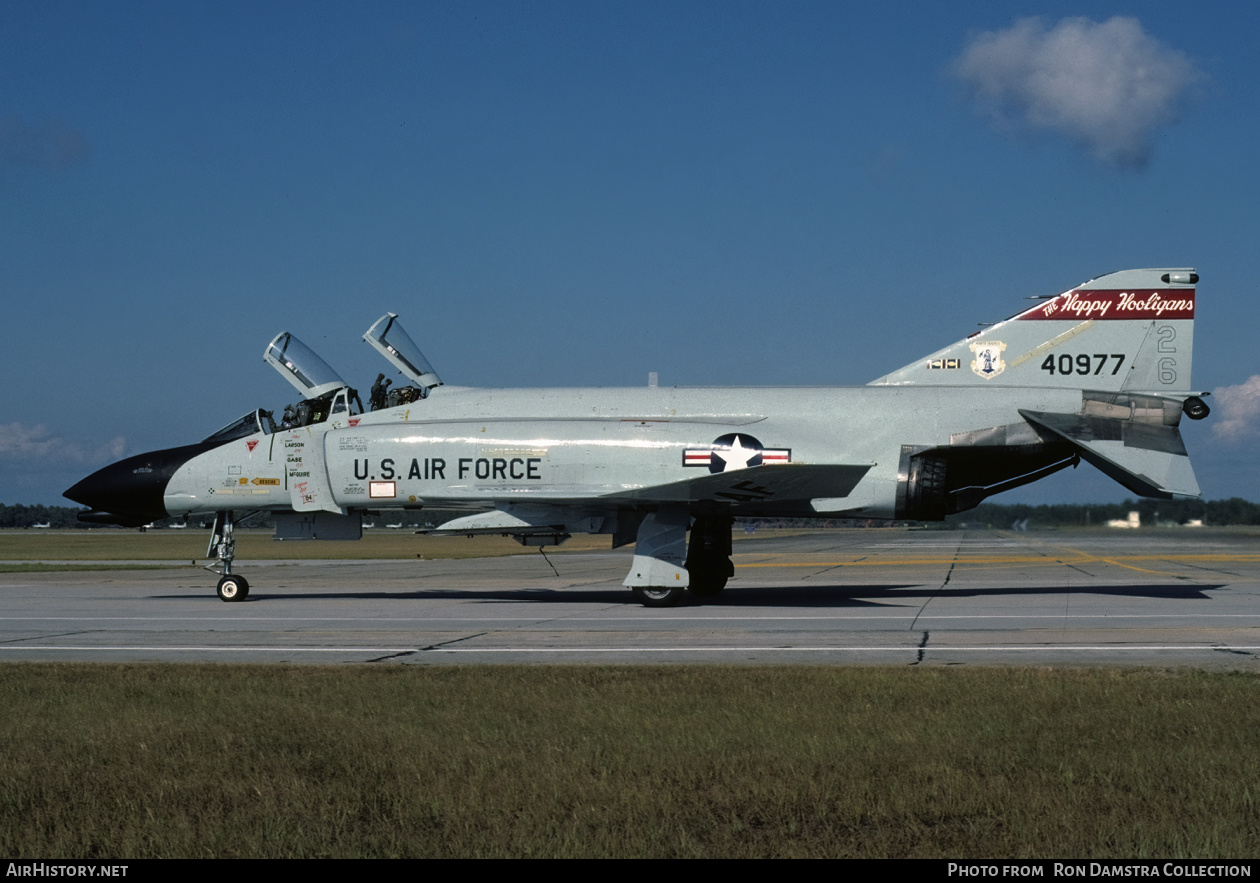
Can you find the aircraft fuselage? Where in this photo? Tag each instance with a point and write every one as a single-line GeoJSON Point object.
{"type": "Point", "coordinates": [1099, 373]}
{"type": "Point", "coordinates": [594, 445]}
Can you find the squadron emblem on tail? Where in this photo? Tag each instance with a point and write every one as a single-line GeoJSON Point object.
{"type": "Point", "coordinates": [988, 362]}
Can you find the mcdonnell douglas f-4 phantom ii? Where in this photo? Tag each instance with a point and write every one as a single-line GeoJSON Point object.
{"type": "Point", "coordinates": [1100, 373]}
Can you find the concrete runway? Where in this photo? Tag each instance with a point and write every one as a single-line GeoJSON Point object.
{"type": "Point", "coordinates": [1185, 597]}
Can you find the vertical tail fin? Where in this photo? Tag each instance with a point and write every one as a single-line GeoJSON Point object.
{"type": "Point", "coordinates": [1131, 331]}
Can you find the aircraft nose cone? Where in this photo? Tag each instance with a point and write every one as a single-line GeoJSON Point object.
{"type": "Point", "coordinates": [133, 487]}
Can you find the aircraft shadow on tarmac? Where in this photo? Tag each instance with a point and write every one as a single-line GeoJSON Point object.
{"type": "Point", "coordinates": [897, 595]}
{"type": "Point", "coordinates": [815, 596]}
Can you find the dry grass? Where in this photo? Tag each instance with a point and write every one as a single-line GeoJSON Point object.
{"type": "Point", "coordinates": [165, 760]}
{"type": "Point", "coordinates": [176, 545]}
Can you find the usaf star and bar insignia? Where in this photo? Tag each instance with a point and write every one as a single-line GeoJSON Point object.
{"type": "Point", "coordinates": [735, 451]}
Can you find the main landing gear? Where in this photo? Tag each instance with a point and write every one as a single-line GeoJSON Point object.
{"type": "Point", "coordinates": [223, 547]}
{"type": "Point", "coordinates": [709, 555]}
{"type": "Point", "coordinates": [659, 575]}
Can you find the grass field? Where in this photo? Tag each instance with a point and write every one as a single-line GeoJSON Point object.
{"type": "Point", "coordinates": [171, 760]}
{"type": "Point", "coordinates": [133, 761]}
{"type": "Point", "coordinates": [175, 545]}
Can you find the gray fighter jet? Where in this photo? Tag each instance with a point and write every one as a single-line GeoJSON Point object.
{"type": "Point", "coordinates": [1099, 373]}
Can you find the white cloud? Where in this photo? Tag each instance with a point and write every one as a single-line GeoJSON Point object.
{"type": "Point", "coordinates": [34, 443]}
{"type": "Point", "coordinates": [1107, 86]}
{"type": "Point", "coordinates": [1237, 410]}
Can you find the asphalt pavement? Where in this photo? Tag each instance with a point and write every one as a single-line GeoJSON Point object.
{"type": "Point", "coordinates": [1168, 597]}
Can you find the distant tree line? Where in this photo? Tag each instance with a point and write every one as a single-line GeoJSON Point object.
{"type": "Point", "coordinates": [28, 516]}
{"type": "Point", "coordinates": [1211, 512]}
{"type": "Point", "coordinates": [1152, 512]}
{"type": "Point", "coordinates": [67, 517]}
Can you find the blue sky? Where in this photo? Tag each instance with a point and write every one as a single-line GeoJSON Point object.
{"type": "Point", "coordinates": [562, 194]}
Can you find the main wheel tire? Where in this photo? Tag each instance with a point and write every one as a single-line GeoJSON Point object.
{"type": "Point", "coordinates": [708, 555]}
{"type": "Point", "coordinates": [233, 588]}
{"type": "Point", "coordinates": [654, 596]}
{"type": "Point", "coordinates": [707, 583]}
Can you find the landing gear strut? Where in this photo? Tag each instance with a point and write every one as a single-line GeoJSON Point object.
{"type": "Point", "coordinates": [223, 547]}
{"type": "Point", "coordinates": [709, 554]}
{"type": "Point", "coordinates": [658, 576]}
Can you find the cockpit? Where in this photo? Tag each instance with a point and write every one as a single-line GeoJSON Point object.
{"type": "Point", "coordinates": [251, 424]}
{"type": "Point", "coordinates": [324, 393]}
{"type": "Point", "coordinates": [388, 338]}
{"type": "Point", "coordinates": [325, 396]}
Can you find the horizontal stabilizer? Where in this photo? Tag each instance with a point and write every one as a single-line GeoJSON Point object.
{"type": "Point", "coordinates": [1148, 459]}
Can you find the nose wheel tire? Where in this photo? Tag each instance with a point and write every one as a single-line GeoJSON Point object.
{"type": "Point", "coordinates": [233, 588]}
{"type": "Point", "coordinates": [652, 596]}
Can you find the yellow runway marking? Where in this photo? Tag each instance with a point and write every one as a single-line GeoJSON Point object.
{"type": "Point", "coordinates": [958, 561]}
{"type": "Point", "coordinates": [1140, 569]}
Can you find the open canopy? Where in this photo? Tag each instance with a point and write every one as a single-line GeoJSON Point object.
{"type": "Point", "coordinates": [389, 339]}
{"type": "Point", "coordinates": [298, 364]}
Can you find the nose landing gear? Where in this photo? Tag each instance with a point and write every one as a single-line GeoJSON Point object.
{"type": "Point", "coordinates": [223, 548]}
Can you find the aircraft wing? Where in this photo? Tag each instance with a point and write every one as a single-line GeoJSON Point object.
{"type": "Point", "coordinates": [789, 485]}
{"type": "Point", "coordinates": [1148, 459]}
{"type": "Point", "coordinates": [780, 483]}
{"type": "Point", "coordinates": [786, 483]}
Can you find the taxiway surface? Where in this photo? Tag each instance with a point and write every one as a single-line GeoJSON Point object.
{"type": "Point", "coordinates": [881, 596]}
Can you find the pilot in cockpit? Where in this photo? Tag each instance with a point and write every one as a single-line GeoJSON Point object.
{"type": "Point", "coordinates": [379, 390]}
